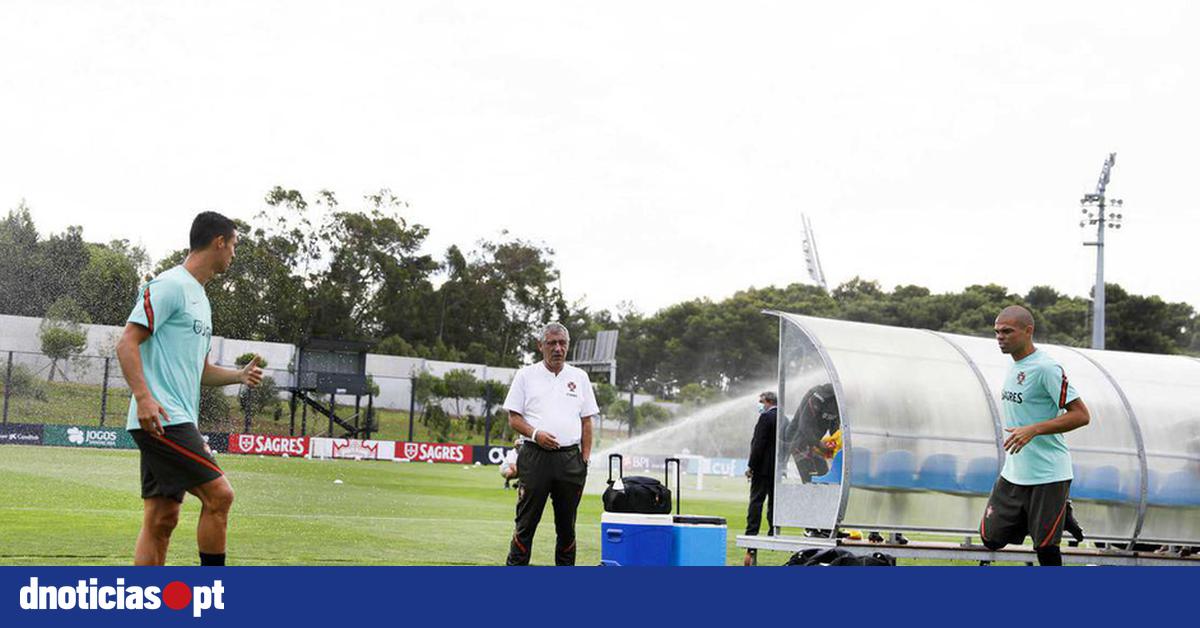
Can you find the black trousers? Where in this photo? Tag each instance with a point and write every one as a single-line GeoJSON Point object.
{"type": "Point", "coordinates": [559, 475]}
{"type": "Point", "coordinates": [762, 488]}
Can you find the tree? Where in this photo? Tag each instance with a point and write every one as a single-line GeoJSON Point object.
{"type": "Point", "coordinates": [494, 298]}
{"type": "Point", "coordinates": [651, 415]}
{"type": "Point", "coordinates": [460, 384]}
{"type": "Point", "coordinates": [694, 394]}
{"type": "Point", "coordinates": [109, 283]}
{"type": "Point", "coordinates": [262, 399]}
{"type": "Point", "coordinates": [20, 293]}
{"type": "Point", "coordinates": [61, 261]}
{"type": "Point", "coordinates": [492, 393]}
{"type": "Point", "coordinates": [1146, 324]}
{"type": "Point", "coordinates": [376, 280]}
{"type": "Point", "coordinates": [605, 394]}
{"type": "Point", "coordinates": [62, 333]}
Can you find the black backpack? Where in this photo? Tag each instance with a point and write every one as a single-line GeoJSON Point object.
{"type": "Point", "coordinates": [639, 494]}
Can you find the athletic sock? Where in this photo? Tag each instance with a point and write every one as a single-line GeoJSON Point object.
{"type": "Point", "coordinates": [212, 560]}
{"type": "Point", "coordinates": [1049, 556]}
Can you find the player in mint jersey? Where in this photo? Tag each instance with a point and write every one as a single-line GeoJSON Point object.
{"type": "Point", "coordinates": [1031, 495]}
{"type": "Point", "coordinates": [164, 357]}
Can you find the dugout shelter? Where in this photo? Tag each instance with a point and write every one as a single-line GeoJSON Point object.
{"type": "Point", "coordinates": [921, 439]}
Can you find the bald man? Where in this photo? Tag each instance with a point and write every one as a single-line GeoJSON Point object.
{"type": "Point", "coordinates": [1040, 405]}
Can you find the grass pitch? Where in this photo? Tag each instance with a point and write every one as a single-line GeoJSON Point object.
{"type": "Point", "coordinates": [71, 506]}
{"type": "Point", "coordinates": [64, 506]}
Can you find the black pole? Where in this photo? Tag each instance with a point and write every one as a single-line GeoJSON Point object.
{"type": "Point", "coordinates": [104, 392]}
{"type": "Point", "coordinates": [632, 413]}
{"type": "Point", "coordinates": [487, 429]}
{"type": "Point", "coordinates": [332, 405]}
{"type": "Point", "coordinates": [357, 403]}
{"type": "Point", "coordinates": [412, 402]}
{"type": "Point", "coordinates": [370, 414]}
{"type": "Point", "coordinates": [7, 385]}
{"type": "Point", "coordinates": [292, 404]}
{"type": "Point", "coordinates": [304, 421]}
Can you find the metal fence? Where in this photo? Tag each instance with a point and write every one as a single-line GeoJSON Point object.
{"type": "Point", "coordinates": [90, 390]}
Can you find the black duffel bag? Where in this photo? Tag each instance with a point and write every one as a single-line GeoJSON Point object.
{"type": "Point", "coordinates": [636, 494]}
{"type": "Point", "coordinates": [837, 557]}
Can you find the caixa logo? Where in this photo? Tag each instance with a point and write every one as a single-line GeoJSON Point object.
{"type": "Point", "coordinates": [90, 595]}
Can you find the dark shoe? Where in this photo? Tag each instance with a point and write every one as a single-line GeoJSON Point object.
{"type": "Point", "coordinates": [899, 539]}
{"type": "Point", "coordinates": [1071, 526]}
{"type": "Point", "coordinates": [875, 537]}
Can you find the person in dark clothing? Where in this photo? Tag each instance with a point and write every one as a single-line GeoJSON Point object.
{"type": "Point", "coordinates": [816, 418]}
{"type": "Point", "coordinates": [761, 469]}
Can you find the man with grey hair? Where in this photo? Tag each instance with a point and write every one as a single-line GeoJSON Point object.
{"type": "Point", "coordinates": [551, 405]}
{"type": "Point", "coordinates": [761, 470]}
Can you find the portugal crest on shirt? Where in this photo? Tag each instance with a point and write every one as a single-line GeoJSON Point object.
{"type": "Point", "coordinates": [1021, 378]}
{"type": "Point", "coordinates": [571, 386]}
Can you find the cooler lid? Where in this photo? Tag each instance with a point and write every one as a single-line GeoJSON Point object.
{"type": "Point", "coordinates": [633, 518]}
{"type": "Point", "coordinates": [698, 520]}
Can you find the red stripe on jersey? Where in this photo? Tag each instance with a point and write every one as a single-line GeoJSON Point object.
{"type": "Point", "coordinates": [1062, 395]}
{"type": "Point", "coordinates": [149, 309]}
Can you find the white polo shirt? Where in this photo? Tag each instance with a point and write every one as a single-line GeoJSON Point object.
{"type": "Point", "coordinates": [553, 403]}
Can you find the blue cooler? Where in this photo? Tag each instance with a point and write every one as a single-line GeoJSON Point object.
{"type": "Point", "coordinates": [637, 540]}
{"type": "Point", "coordinates": [698, 541]}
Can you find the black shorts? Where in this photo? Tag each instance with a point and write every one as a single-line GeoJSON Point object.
{"type": "Point", "coordinates": [174, 462]}
{"type": "Point", "coordinates": [1015, 511]}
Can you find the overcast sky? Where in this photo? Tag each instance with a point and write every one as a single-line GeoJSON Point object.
{"type": "Point", "coordinates": [665, 150]}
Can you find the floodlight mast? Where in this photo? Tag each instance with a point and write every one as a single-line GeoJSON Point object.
{"type": "Point", "coordinates": [811, 259]}
{"type": "Point", "coordinates": [1094, 206]}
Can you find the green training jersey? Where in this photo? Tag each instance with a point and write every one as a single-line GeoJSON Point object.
{"type": "Point", "coordinates": [174, 307]}
{"type": "Point", "coordinates": [1037, 390]}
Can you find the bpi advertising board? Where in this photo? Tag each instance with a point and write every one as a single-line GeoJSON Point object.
{"type": "Point", "coordinates": [352, 448]}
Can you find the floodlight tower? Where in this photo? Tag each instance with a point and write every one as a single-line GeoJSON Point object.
{"type": "Point", "coordinates": [1094, 207]}
{"type": "Point", "coordinates": [811, 259]}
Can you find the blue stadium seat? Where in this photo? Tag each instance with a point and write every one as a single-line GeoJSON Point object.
{"type": "Point", "coordinates": [860, 466]}
{"type": "Point", "coordinates": [1181, 488]}
{"type": "Point", "coordinates": [1101, 483]}
{"type": "Point", "coordinates": [1131, 487]}
{"type": "Point", "coordinates": [834, 475]}
{"type": "Point", "coordinates": [981, 474]}
{"type": "Point", "coordinates": [939, 472]}
{"type": "Point", "coordinates": [896, 469]}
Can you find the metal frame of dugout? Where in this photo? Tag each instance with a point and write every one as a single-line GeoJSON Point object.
{"type": "Point", "coordinates": [921, 434]}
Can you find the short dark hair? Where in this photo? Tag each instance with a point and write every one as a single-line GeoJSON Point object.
{"type": "Point", "coordinates": [207, 226]}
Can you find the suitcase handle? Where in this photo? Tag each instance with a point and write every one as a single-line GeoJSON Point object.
{"type": "Point", "coordinates": [678, 481]}
{"type": "Point", "coordinates": [620, 467]}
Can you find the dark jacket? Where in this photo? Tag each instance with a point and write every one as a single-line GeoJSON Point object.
{"type": "Point", "coordinates": [762, 445]}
